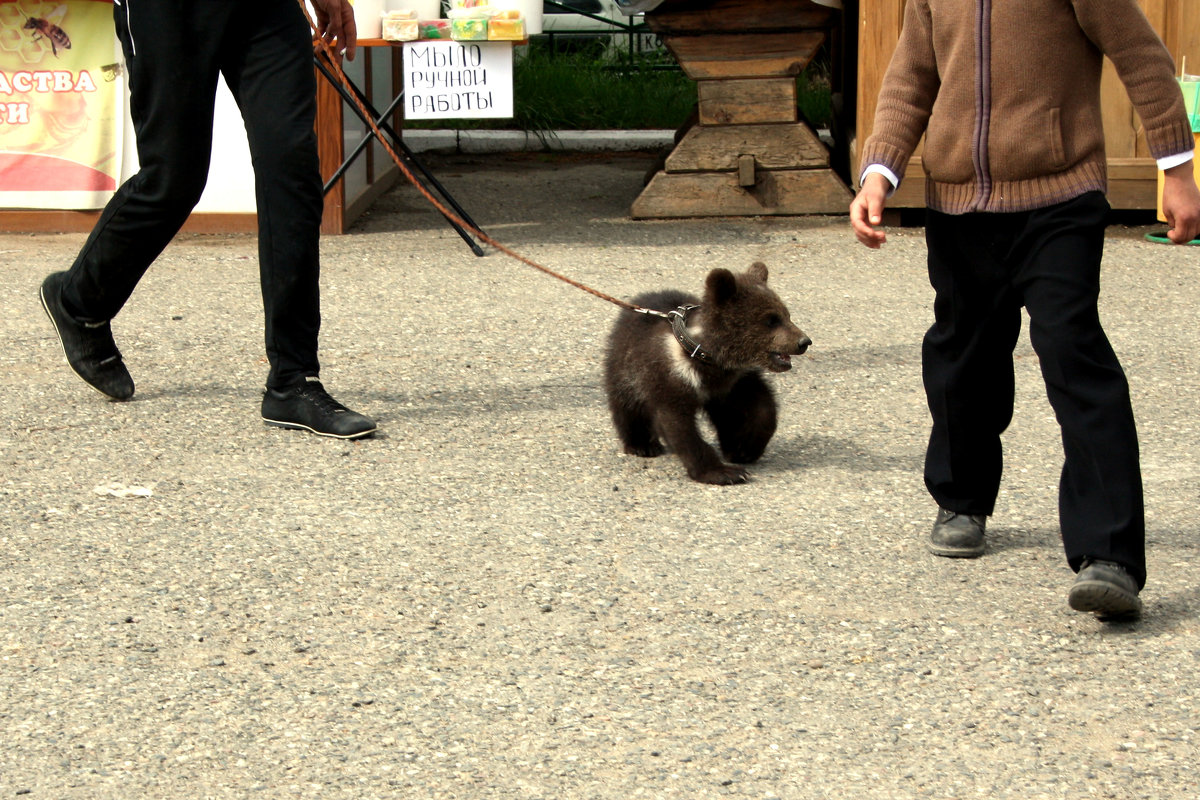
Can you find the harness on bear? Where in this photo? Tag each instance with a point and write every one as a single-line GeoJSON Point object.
{"type": "Point", "coordinates": [678, 318]}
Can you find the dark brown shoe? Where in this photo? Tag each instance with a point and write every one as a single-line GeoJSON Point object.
{"type": "Point", "coordinates": [957, 535]}
{"type": "Point", "coordinates": [1107, 590]}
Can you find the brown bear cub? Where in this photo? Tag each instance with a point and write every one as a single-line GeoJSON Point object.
{"type": "Point", "coordinates": [709, 356]}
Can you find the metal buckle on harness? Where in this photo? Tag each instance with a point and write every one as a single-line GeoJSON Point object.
{"type": "Point", "coordinates": [678, 318]}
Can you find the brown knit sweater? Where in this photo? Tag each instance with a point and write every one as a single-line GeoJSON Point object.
{"type": "Point", "coordinates": [1007, 93]}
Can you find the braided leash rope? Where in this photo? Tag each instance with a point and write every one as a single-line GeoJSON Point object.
{"type": "Point", "coordinates": [334, 63]}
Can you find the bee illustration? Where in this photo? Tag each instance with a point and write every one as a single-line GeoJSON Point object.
{"type": "Point", "coordinates": [44, 28]}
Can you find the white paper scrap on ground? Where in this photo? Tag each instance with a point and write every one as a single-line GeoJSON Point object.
{"type": "Point", "coordinates": [121, 490]}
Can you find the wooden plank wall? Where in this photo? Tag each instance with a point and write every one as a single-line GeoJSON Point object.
{"type": "Point", "coordinates": [1133, 175]}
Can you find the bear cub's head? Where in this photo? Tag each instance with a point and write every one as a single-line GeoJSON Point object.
{"type": "Point", "coordinates": [745, 324]}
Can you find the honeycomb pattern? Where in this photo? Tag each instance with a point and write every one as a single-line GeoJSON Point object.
{"type": "Point", "coordinates": [15, 38]}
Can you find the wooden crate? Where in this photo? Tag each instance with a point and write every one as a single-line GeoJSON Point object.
{"type": "Point", "coordinates": [1132, 173]}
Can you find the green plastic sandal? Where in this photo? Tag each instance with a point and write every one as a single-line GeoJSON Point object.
{"type": "Point", "coordinates": [1161, 238]}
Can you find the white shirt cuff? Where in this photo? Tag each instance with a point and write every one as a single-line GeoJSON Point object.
{"type": "Point", "coordinates": [885, 172]}
{"type": "Point", "coordinates": [1163, 163]}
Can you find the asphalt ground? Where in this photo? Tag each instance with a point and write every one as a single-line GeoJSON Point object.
{"type": "Point", "coordinates": [489, 600]}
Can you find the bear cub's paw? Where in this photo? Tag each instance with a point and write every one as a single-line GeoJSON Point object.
{"type": "Point", "coordinates": [651, 450]}
{"type": "Point", "coordinates": [724, 475]}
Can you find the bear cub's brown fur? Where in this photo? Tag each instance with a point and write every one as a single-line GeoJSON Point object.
{"type": "Point", "coordinates": [657, 382]}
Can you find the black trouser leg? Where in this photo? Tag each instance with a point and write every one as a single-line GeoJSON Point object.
{"type": "Point", "coordinates": [171, 63]}
{"type": "Point", "coordinates": [966, 359]}
{"type": "Point", "coordinates": [175, 53]}
{"type": "Point", "coordinates": [984, 267]}
{"type": "Point", "coordinates": [1101, 509]}
{"type": "Point", "coordinates": [271, 76]}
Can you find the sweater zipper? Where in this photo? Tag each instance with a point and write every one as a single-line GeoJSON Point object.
{"type": "Point", "coordinates": [983, 102]}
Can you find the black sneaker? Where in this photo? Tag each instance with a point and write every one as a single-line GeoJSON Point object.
{"type": "Point", "coordinates": [957, 535]}
{"type": "Point", "coordinates": [1107, 590]}
{"type": "Point", "coordinates": [309, 407]}
{"type": "Point", "coordinates": [88, 346]}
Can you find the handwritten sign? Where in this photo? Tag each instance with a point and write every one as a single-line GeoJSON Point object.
{"type": "Point", "coordinates": [457, 80]}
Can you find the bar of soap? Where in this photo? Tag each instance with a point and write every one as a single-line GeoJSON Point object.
{"type": "Point", "coordinates": [434, 29]}
{"type": "Point", "coordinates": [506, 29]}
{"type": "Point", "coordinates": [469, 30]}
{"type": "Point", "coordinates": [400, 29]}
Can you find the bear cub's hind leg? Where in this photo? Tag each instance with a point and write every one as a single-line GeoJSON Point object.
{"type": "Point", "coordinates": [636, 432]}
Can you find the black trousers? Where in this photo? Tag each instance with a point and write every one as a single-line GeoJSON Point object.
{"type": "Point", "coordinates": [175, 50]}
{"type": "Point", "coordinates": [984, 268]}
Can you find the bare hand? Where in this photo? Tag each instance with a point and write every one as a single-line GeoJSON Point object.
{"type": "Point", "coordinates": [866, 210]}
{"type": "Point", "coordinates": [335, 24]}
{"type": "Point", "coordinates": [1181, 203]}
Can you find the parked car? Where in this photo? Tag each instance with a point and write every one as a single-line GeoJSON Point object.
{"type": "Point", "coordinates": [575, 24]}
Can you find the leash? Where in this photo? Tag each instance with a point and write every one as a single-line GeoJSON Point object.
{"type": "Point", "coordinates": [335, 63]}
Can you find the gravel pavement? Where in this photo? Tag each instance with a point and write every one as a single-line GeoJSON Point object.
{"type": "Point", "coordinates": [489, 600]}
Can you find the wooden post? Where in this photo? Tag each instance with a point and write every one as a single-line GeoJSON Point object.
{"type": "Point", "coordinates": [330, 150]}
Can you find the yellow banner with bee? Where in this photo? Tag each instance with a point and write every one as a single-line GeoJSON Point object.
{"type": "Point", "coordinates": [62, 104]}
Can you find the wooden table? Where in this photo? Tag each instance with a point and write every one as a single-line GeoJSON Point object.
{"type": "Point", "coordinates": [747, 152]}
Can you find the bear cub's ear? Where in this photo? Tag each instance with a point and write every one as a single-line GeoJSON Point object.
{"type": "Point", "coordinates": [720, 286]}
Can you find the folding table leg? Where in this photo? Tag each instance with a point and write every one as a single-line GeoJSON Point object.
{"type": "Point", "coordinates": [409, 155]}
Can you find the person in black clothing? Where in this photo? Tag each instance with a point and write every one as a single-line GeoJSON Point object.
{"type": "Point", "coordinates": [174, 54]}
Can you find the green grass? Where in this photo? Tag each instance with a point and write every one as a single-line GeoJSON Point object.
{"type": "Point", "coordinates": [556, 91]}
{"type": "Point", "coordinates": [583, 91]}
{"type": "Point", "coordinates": [813, 96]}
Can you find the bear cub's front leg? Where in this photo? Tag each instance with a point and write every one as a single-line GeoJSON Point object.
{"type": "Point", "coordinates": [745, 419]}
{"type": "Point", "coordinates": [699, 458]}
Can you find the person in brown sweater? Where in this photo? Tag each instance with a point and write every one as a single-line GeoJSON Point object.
{"type": "Point", "coordinates": [1007, 96]}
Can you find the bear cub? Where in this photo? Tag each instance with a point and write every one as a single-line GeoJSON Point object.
{"type": "Point", "coordinates": [709, 356]}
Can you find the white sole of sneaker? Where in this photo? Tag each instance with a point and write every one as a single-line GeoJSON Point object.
{"type": "Point", "coordinates": [298, 427]}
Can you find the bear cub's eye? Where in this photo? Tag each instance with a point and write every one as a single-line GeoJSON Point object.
{"type": "Point", "coordinates": [773, 321]}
